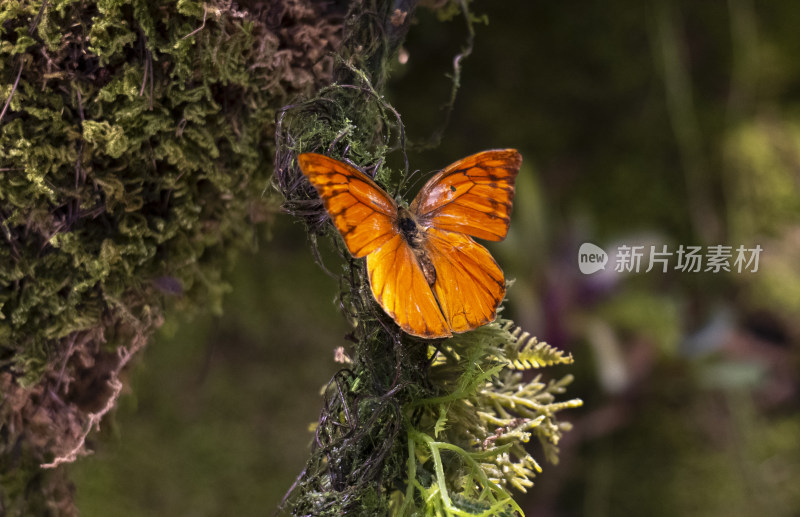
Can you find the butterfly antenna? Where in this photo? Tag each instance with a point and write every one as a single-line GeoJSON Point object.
{"type": "Point", "coordinates": [417, 178]}
{"type": "Point", "coordinates": [400, 184]}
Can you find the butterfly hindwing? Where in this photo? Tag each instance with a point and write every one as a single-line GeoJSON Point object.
{"type": "Point", "coordinates": [361, 211]}
{"type": "Point", "coordinates": [471, 196]}
{"type": "Point", "coordinates": [399, 286]}
{"type": "Point", "coordinates": [469, 284]}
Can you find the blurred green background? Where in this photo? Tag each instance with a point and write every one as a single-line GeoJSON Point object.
{"type": "Point", "coordinates": [640, 123]}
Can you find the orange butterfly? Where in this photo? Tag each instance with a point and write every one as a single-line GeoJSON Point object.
{"type": "Point", "coordinates": [424, 268]}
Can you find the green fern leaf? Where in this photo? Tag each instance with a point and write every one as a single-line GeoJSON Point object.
{"type": "Point", "coordinates": [525, 352]}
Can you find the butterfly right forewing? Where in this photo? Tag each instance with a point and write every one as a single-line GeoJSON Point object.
{"type": "Point", "coordinates": [471, 196]}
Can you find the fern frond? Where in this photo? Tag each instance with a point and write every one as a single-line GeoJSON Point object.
{"type": "Point", "coordinates": [525, 352]}
{"type": "Point", "coordinates": [474, 425]}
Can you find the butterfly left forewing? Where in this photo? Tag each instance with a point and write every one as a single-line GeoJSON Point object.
{"type": "Point", "coordinates": [469, 284]}
{"type": "Point", "coordinates": [362, 212]}
{"type": "Point", "coordinates": [471, 196]}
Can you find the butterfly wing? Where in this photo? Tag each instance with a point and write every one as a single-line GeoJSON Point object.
{"type": "Point", "coordinates": [362, 212]}
{"type": "Point", "coordinates": [400, 287]}
{"type": "Point", "coordinates": [365, 215]}
{"type": "Point", "coordinates": [471, 196]}
{"type": "Point", "coordinates": [469, 284]}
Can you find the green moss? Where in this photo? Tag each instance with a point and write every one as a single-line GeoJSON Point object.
{"type": "Point", "coordinates": [135, 147]}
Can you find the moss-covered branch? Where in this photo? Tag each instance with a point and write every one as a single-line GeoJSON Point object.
{"type": "Point", "coordinates": [409, 426]}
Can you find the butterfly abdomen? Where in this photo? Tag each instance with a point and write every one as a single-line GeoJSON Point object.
{"type": "Point", "coordinates": [413, 235]}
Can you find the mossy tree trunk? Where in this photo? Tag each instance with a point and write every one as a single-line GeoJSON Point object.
{"type": "Point", "coordinates": [136, 139]}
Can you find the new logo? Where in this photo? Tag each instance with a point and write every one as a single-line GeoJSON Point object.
{"type": "Point", "coordinates": [591, 258]}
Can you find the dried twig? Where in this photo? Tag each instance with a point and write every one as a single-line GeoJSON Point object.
{"type": "Point", "coordinates": [11, 95]}
{"type": "Point", "coordinates": [205, 12]}
{"type": "Point", "coordinates": [32, 28]}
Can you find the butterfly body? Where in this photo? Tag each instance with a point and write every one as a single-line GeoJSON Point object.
{"type": "Point", "coordinates": [414, 235]}
{"type": "Point", "coordinates": [408, 228]}
{"type": "Point", "coordinates": [424, 268]}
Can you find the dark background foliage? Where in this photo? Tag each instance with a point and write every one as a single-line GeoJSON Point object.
{"type": "Point", "coordinates": [640, 123]}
